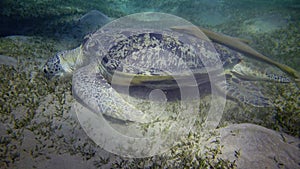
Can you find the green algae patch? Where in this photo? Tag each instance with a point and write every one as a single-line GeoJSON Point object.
{"type": "Point", "coordinates": [287, 111]}
{"type": "Point", "coordinates": [37, 111]}
{"type": "Point", "coordinates": [282, 45]}
{"type": "Point", "coordinates": [19, 97]}
{"type": "Point", "coordinates": [189, 152]}
{"type": "Point", "coordinates": [27, 47]}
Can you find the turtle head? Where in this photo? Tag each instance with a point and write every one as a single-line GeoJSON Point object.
{"type": "Point", "coordinates": [64, 62]}
{"type": "Point", "coordinates": [53, 67]}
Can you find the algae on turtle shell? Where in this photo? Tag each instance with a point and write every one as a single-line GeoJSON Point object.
{"type": "Point", "coordinates": [241, 47]}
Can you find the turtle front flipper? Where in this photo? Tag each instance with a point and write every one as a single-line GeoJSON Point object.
{"type": "Point", "coordinates": [92, 90]}
{"type": "Point", "coordinates": [244, 91]}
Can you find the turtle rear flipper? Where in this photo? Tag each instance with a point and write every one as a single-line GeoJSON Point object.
{"type": "Point", "coordinates": [252, 70]}
{"type": "Point", "coordinates": [245, 91]}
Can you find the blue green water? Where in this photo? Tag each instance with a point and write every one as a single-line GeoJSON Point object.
{"type": "Point", "coordinates": [34, 15]}
{"type": "Point", "coordinates": [256, 20]}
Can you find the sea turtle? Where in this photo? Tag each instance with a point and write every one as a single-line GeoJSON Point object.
{"type": "Point", "coordinates": [141, 56]}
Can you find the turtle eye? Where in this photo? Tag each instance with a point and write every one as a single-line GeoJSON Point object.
{"type": "Point", "coordinates": [45, 70]}
{"type": "Point", "coordinates": [60, 54]}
